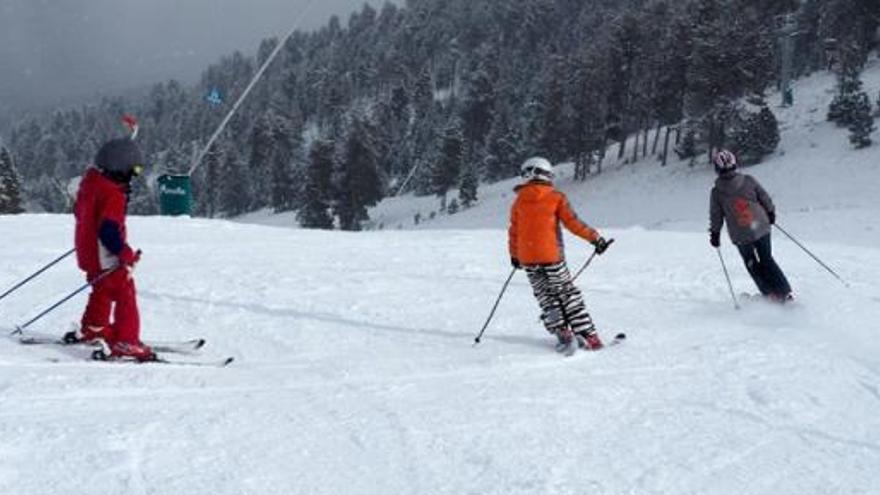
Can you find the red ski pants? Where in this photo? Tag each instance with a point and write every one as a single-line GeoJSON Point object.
{"type": "Point", "coordinates": [116, 293]}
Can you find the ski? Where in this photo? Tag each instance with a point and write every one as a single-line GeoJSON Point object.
{"type": "Point", "coordinates": [220, 363]}
{"type": "Point", "coordinates": [170, 346]}
{"type": "Point", "coordinates": [100, 355]}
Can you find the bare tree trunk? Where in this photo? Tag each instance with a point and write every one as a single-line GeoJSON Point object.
{"type": "Point", "coordinates": [580, 167]}
{"type": "Point", "coordinates": [645, 140]}
{"type": "Point", "coordinates": [656, 138]}
{"type": "Point", "coordinates": [635, 156]}
{"type": "Point", "coordinates": [666, 147]}
{"type": "Point", "coordinates": [622, 150]}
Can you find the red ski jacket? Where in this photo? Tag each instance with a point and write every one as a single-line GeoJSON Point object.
{"type": "Point", "coordinates": [100, 238]}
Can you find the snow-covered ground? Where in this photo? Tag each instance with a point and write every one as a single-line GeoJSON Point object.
{"type": "Point", "coordinates": [355, 372]}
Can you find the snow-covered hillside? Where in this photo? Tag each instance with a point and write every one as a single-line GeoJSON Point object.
{"type": "Point", "coordinates": [815, 177]}
{"type": "Point", "coordinates": [355, 372]}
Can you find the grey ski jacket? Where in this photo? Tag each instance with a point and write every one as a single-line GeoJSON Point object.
{"type": "Point", "coordinates": [740, 200]}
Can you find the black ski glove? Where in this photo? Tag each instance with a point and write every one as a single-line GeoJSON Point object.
{"type": "Point", "coordinates": [601, 245]}
{"type": "Point", "coordinates": [715, 239]}
{"type": "Point", "coordinates": [771, 215]}
{"type": "Point", "coordinates": [515, 263]}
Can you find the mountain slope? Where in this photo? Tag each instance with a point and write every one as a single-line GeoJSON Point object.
{"type": "Point", "coordinates": [815, 178]}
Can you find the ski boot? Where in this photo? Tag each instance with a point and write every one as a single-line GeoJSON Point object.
{"type": "Point", "coordinates": [87, 334]}
{"type": "Point", "coordinates": [137, 351]}
{"type": "Point", "coordinates": [566, 343]}
{"type": "Point", "coordinates": [589, 340]}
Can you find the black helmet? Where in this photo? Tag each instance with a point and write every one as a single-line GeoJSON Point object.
{"type": "Point", "coordinates": [120, 159]}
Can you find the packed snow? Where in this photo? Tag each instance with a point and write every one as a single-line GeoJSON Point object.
{"type": "Point", "coordinates": [355, 370]}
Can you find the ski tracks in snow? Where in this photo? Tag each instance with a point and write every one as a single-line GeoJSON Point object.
{"type": "Point", "coordinates": [355, 373]}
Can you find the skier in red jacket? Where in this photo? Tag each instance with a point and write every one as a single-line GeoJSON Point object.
{"type": "Point", "coordinates": [104, 254]}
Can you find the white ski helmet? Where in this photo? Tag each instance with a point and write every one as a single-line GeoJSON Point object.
{"type": "Point", "coordinates": [724, 161]}
{"type": "Point", "coordinates": [537, 168]}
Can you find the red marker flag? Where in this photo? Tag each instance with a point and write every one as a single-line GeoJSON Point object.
{"type": "Point", "coordinates": [131, 123]}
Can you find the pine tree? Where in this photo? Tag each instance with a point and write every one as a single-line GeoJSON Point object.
{"type": "Point", "coordinates": [10, 184]}
{"type": "Point", "coordinates": [287, 139]}
{"type": "Point", "coordinates": [233, 195]}
{"type": "Point", "coordinates": [843, 107]}
{"type": "Point", "coordinates": [503, 147]}
{"type": "Point", "coordinates": [262, 152]}
{"type": "Point", "coordinates": [754, 135]}
{"type": "Point", "coordinates": [468, 184]}
{"type": "Point", "coordinates": [315, 211]}
{"type": "Point", "coordinates": [862, 122]}
{"type": "Point", "coordinates": [358, 183]}
{"type": "Point", "coordinates": [479, 102]}
{"type": "Point", "coordinates": [553, 114]}
{"type": "Point", "coordinates": [447, 167]}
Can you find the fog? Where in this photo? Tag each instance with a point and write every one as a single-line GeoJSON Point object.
{"type": "Point", "coordinates": [57, 50]}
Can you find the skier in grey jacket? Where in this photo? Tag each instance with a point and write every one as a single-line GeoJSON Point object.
{"type": "Point", "coordinates": [748, 211]}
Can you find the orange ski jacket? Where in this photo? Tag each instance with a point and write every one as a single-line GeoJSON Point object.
{"type": "Point", "coordinates": [534, 236]}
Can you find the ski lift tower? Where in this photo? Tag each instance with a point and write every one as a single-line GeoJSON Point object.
{"type": "Point", "coordinates": [788, 31]}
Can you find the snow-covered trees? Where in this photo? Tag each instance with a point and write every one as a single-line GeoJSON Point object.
{"type": "Point", "coordinates": [467, 185]}
{"type": "Point", "coordinates": [446, 169]}
{"type": "Point", "coordinates": [560, 78]}
{"type": "Point", "coordinates": [10, 184]}
{"type": "Point", "coordinates": [357, 183]}
{"type": "Point", "coordinates": [861, 122]}
{"type": "Point", "coordinates": [317, 194]}
{"type": "Point", "coordinates": [754, 135]}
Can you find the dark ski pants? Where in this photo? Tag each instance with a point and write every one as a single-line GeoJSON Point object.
{"type": "Point", "coordinates": [561, 302]}
{"type": "Point", "coordinates": [763, 268]}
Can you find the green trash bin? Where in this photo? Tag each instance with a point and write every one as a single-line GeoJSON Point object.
{"type": "Point", "coordinates": [175, 195]}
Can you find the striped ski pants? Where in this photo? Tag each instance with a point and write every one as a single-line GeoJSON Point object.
{"type": "Point", "coordinates": [561, 302]}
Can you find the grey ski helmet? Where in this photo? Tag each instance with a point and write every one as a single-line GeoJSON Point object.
{"type": "Point", "coordinates": [120, 159]}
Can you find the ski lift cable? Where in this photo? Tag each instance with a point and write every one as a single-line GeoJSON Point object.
{"type": "Point", "coordinates": [198, 159]}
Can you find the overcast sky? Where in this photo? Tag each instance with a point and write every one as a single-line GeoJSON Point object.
{"type": "Point", "coordinates": [51, 50]}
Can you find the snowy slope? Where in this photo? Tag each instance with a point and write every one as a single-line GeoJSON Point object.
{"type": "Point", "coordinates": [355, 371]}
{"type": "Point", "coordinates": [815, 177]}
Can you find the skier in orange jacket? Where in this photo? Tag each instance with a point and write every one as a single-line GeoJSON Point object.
{"type": "Point", "coordinates": [535, 244]}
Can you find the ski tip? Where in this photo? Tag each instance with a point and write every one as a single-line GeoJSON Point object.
{"type": "Point", "coordinates": [199, 343]}
{"type": "Point", "coordinates": [620, 336]}
{"type": "Point", "coordinates": [228, 361]}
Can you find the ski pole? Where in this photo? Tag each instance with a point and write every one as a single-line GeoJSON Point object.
{"type": "Point", "coordinates": [727, 276]}
{"type": "Point", "coordinates": [20, 328]}
{"type": "Point", "coordinates": [832, 272]}
{"type": "Point", "coordinates": [492, 313]}
{"type": "Point", "coordinates": [590, 260]}
{"type": "Point", "coordinates": [35, 275]}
